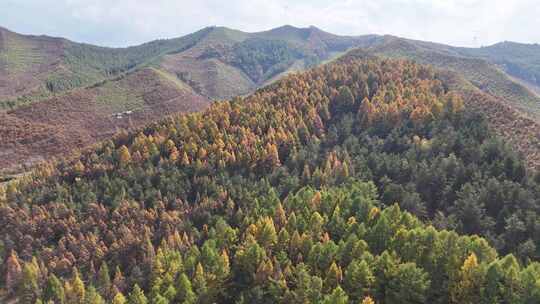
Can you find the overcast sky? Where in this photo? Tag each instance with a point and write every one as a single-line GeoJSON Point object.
{"type": "Point", "coordinates": [129, 22]}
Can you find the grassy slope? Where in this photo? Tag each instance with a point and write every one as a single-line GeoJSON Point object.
{"type": "Point", "coordinates": [56, 65]}
{"type": "Point", "coordinates": [221, 75]}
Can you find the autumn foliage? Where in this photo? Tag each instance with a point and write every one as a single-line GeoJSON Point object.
{"type": "Point", "coordinates": [312, 190]}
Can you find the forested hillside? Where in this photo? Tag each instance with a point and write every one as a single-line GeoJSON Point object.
{"type": "Point", "coordinates": [55, 87]}
{"type": "Point", "coordinates": [361, 181]}
{"type": "Point", "coordinates": [483, 72]}
{"type": "Point", "coordinates": [35, 67]}
{"type": "Point", "coordinates": [59, 125]}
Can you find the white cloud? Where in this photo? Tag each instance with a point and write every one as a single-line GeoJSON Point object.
{"type": "Point", "coordinates": [125, 22]}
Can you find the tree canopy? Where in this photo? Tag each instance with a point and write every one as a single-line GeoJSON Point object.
{"type": "Point", "coordinates": [362, 181]}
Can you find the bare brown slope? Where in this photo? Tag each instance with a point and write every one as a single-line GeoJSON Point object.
{"type": "Point", "coordinates": [55, 127]}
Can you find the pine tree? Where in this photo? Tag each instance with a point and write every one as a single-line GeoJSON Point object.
{"type": "Point", "coordinates": [368, 300]}
{"type": "Point", "coordinates": [124, 156]}
{"type": "Point", "coordinates": [279, 216]}
{"type": "Point", "coordinates": [119, 282]}
{"type": "Point", "coordinates": [54, 290]}
{"type": "Point", "coordinates": [408, 285]}
{"type": "Point", "coordinates": [345, 100]}
{"type": "Point", "coordinates": [199, 281]}
{"type": "Point", "coordinates": [185, 159]}
{"type": "Point", "coordinates": [28, 289]}
{"type": "Point", "coordinates": [264, 271]}
{"type": "Point", "coordinates": [494, 283]}
{"type": "Point", "coordinates": [75, 291]}
{"type": "Point", "coordinates": [266, 232]}
{"type": "Point", "coordinates": [159, 299]}
{"type": "Point", "coordinates": [358, 279]}
{"type": "Point", "coordinates": [224, 265]}
{"type": "Point", "coordinates": [13, 272]}
{"type": "Point", "coordinates": [79, 168]}
{"type": "Point", "coordinates": [333, 277]}
{"type": "Point", "coordinates": [93, 297]}
{"type": "Point", "coordinates": [169, 294]}
{"type": "Point", "coordinates": [470, 282]}
{"type": "Point", "coordinates": [103, 280]}
{"type": "Point", "coordinates": [338, 296]}
{"type": "Point", "coordinates": [185, 294]}
{"type": "Point", "coordinates": [272, 155]}
{"type": "Point", "coordinates": [137, 296]}
{"type": "Point", "coordinates": [119, 299]}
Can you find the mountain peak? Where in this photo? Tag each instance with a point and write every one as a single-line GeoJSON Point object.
{"type": "Point", "coordinates": [4, 30]}
{"type": "Point", "coordinates": [286, 27]}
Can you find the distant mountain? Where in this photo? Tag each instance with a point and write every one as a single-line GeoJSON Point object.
{"type": "Point", "coordinates": [217, 61]}
{"type": "Point", "coordinates": [214, 63]}
{"type": "Point", "coordinates": [517, 59]}
{"type": "Point", "coordinates": [61, 86]}
{"type": "Point", "coordinates": [33, 67]}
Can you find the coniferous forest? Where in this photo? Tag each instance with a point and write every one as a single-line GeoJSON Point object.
{"type": "Point", "coordinates": [361, 181]}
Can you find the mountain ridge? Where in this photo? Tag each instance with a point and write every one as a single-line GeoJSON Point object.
{"type": "Point", "coordinates": [367, 171]}
{"type": "Point", "coordinates": [218, 63]}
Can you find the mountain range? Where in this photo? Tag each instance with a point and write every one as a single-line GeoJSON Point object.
{"type": "Point", "coordinates": [370, 169]}
{"type": "Point", "coordinates": [58, 96]}
{"type": "Point", "coordinates": [364, 180]}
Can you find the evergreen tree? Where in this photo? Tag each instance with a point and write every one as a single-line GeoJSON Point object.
{"type": "Point", "coordinates": [137, 296]}
{"type": "Point", "coordinates": [54, 290]}
{"type": "Point", "coordinates": [124, 157]}
{"type": "Point", "coordinates": [338, 296]}
{"type": "Point", "coordinates": [345, 100]}
{"type": "Point", "coordinates": [333, 277]}
{"type": "Point", "coordinates": [119, 299]}
{"type": "Point", "coordinates": [75, 290]}
{"type": "Point", "coordinates": [409, 285]}
{"type": "Point", "coordinates": [103, 283]}
{"type": "Point", "coordinates": [13, 272]}
{"type": "Point", "coordinates": [368, 300]}
{"type": "Point", "coordinates": [199, 281]}
{"type": "Point", "coordinates": [28, 289]}
{"type": "Point", "coordinates": [185, 294]}
{"type": "Point", "coordinates": [470, 282]}
{"type": "Point", "coordinates": [93, 297]}
{"type": "Point", "coordinates": [358, 279]}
